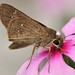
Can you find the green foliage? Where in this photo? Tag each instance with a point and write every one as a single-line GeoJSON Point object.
{"type": "Point", "coordinates": [69, 61]}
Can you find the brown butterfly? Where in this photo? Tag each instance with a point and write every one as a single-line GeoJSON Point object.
{"type": "Point", "coordinates": [24, 31]}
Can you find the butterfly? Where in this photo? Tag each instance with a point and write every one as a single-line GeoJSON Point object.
{"type": "Point", "coordinates": [24, 31]}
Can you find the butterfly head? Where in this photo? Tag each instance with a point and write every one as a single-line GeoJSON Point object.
{"type": "Point", "coordinates": [58, 41]}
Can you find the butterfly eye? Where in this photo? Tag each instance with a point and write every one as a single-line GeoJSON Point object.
{"type": "Point", "coordinates": [56, 42]}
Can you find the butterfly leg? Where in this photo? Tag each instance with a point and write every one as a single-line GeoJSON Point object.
{"type": "Point", "coordinates": [49, 60]}
{"type": "Point", "coordinates": [31, 57]}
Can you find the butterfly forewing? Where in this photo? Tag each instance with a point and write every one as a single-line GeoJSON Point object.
{"type": "Point", "coordinates": [22, 28]}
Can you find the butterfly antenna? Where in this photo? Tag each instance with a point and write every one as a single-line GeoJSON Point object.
{"type": "Point", "coordinates": [69, 35]}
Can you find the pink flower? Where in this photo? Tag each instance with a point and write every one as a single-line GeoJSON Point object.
{"type": "Point", "coordinates": [57, 64]}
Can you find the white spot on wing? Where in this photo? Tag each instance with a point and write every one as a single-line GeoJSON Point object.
{"type": "Point", "coordinates": [18, 31]}
{"type": "Point", "coordinates": [15, 12]}
{"type": "Point", "coordinates": [22, 25]}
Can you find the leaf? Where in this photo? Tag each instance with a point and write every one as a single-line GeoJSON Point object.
{"type": "Point", "coordinates": [69, 61]}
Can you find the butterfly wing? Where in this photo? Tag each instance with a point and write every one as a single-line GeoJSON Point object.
{"type": "Point", "coordinates": [21, 28]}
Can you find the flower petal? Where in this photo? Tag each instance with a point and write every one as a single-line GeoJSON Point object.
{"type": "Point", "coordinates": [33, 68]}
{"type": "Point", "coordinates": [69, 28]}
{"type": "Point", "coordinates": [57, 67]}
{"type": "Point", "coordinates": [70, 49]}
